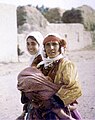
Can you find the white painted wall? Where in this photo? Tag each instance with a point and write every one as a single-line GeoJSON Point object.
{"type": "Point", "coordinates": [74, 34]}
{"type": "Point", "coordinates": [8, 33]}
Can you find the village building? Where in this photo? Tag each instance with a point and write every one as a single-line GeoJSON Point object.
{"type": "Point", "coordinates": [74, 34]}
{"type": "Point", "coordinates": [8, 33]}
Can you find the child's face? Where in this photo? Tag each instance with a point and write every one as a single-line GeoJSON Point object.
{"type": "Point", "coordinates": [32, 46]}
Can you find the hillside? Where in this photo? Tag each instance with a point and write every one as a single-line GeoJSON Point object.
{"type": "Point", "coordinates": [33, 19]}
{"type": "Point", "coordinates": [88, 15]}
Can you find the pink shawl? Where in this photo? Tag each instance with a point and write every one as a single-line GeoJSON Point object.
{"type": "Point", "coordinates": [32, 80]}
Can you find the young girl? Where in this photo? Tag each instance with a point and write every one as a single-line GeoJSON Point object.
{"type": "Point", "coordinates": [34, 42]}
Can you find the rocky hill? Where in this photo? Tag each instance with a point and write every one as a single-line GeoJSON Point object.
{"type": "Point", "coordinates": [88, 15]}
{"type": "Point", "coordinates": [33, 19]}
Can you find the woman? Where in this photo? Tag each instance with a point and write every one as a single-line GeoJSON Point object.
{"type": "Point", "coordinates": [62, 72]}
{"type": "Point", "coordinates": [51, 96]}
{"type": "Point", "coordinates": [34, 42]}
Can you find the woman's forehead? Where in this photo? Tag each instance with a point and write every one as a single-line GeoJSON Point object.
{"type": "Point", "coordinates": [31, 40]}
{"type": "Point", "coordinates": [51, 38]}
{"type": "Point", "coordinates": [50, 42]}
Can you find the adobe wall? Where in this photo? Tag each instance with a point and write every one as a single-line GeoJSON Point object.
{"type": "Point", "coordinates": [8, 33]}
{"type": "Point", "coordinates": [74, 34]}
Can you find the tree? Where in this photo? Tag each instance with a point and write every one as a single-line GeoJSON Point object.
{"type": "Point", "coordinates": [42, 9]}
{"type": "Point", "coordinates": [53, 15]}
{"type": "Point", "coordinates": [72, 16]}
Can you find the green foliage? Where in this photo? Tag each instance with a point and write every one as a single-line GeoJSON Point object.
{"type": "Point", "coordinates": [53, 15]}
{"type": "Point", "coordinates": [72, 16]}
{"type": "Point", "coordinates": [21, 16]}
{"type": "Point", "coordinates": [42, 9]}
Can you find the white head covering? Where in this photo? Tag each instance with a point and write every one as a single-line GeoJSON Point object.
{"type": "Point", "coordinates": [39, 38]}
{"type": "Point", "coordinates": [37, 35]}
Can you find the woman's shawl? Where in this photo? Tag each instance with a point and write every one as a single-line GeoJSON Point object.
{"type": "Point", "coordinates": [32, 80]}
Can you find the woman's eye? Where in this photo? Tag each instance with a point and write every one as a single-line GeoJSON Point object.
{"type": "Point", "coordinates": [47, 45]}
{"type": "Point", "coordinates": [54, 44]}
{"type": "Point", "coordinates": [51, 44]}
{"type": "Point", "coordinates": [27, 44]}
{"type": "Point", "coordinates": [32, 43]}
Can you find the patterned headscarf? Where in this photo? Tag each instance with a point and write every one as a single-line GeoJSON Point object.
{"type": "Point", "coordinates": [54, 37]}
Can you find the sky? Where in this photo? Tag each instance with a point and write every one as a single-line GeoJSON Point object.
{"type": "Point", "coordinates": [64, 4]}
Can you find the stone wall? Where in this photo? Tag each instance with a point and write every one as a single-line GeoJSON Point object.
{"type": "Point", "coordinates": [8, 33]}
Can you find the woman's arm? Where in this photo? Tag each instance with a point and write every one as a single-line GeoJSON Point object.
{"type": "Point", "coordinates": [70, 88]}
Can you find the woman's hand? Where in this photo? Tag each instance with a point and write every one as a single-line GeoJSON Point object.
{"type": "Point", "coordinates": [61, 114]}
{"type": "Point", "coordinates": [72, 107]}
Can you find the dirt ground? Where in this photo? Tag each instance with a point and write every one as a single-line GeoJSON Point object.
{"type": "Point", "coordinates": [10, 106]}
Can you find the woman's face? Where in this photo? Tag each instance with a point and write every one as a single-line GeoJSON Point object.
{"type": "Point", "coordinates": [32, 46]}
{"type": "Point", "coordinates": [52, 49]}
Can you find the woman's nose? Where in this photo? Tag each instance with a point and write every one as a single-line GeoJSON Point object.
{"type": "Point", "coordinates": [51, 46]}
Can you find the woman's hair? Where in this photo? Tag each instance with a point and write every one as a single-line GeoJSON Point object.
{"type": "Point", "coordinates": [33, 38]}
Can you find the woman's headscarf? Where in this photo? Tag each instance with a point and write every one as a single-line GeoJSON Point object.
{"type": "Point", "coordinates": [53, 37]}
{"type": "Point", "coordinates": [39, 38]}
